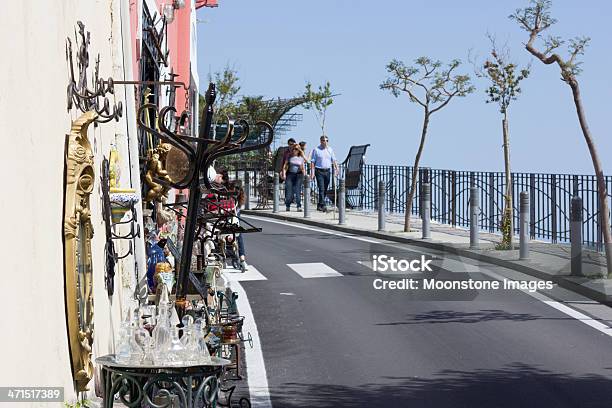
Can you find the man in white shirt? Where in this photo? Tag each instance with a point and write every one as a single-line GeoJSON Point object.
{"type": "Point", "coordinates": [322, 162]}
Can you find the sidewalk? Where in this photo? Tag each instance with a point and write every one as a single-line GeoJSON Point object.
{"type": "Point", "coordinates": [547, 261]}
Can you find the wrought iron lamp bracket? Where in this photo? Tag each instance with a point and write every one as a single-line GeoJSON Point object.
{"type": "Point", "coordinates": [79, 94]}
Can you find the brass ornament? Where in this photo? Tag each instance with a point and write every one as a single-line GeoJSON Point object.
{"type": "Point", "coordinates": [177, 164]}
{"type": "Point", "coordinates": [78, 232]}
{"type": "Point", "coordinates": [156, 172]}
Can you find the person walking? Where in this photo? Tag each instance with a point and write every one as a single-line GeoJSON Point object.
{"type": "Point", "coordinates": [305, 157]}
{"type": "Point", "coordinates": [286, 154]}
{"type": "Point", "coordinates": [293, 172]}
{"type": "Point", "coordinates": [323, 164]}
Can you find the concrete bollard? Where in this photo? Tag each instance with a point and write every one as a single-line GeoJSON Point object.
{"type": "Point", "coordinates": [381, 205]}
{"type": "Point", "coordinates": [306, 197]}
{"type": "Point", "coordinates": [276, 193]}
{"type": "Point", "coordinates": [524, 226]}
{"type": "Point", "coordinates": [576, 235]}
{"type": "Point", "coordinates": [342, 203]}
{"type": "Point", "coordinates": [425, 211]}
{"type": "Point", "coordinates": [474, 210]}
{"type": "Point", "coordinates": [247, 191]}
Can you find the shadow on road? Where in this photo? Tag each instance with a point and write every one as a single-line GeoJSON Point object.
{"type": "Point", "coordinates": [518, 385]}
{"type": "Point", "coordinates": [451, 316]}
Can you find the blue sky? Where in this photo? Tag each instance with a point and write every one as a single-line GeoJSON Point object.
{"type": "Point", "coordinates": [278, 45]}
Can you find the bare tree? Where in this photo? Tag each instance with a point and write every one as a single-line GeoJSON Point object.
{"type": "Point", "coordinates": [432, 86]}
{"type": "Point", "coordinates": [536, 19]}
{"type": "Point", "coordinates": [318, 101]}
{"type": "Point", "coordinates": [504, 77]}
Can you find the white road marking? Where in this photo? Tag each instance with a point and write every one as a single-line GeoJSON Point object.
{"type": "Point", "coordinates": [589, 321]}
{"type": "Point", "coordinates": [313, 270]}
{"type": "Point", "coordinates": [287, 293]}
{"type": "Point", "coordinates": [256, 367]}
{"type": "Point", "coordinates": [236, 275]}
{"type": "Point", "coordinates": [340, 234]}
{"type": "Point", "coordinates": [581, 317]}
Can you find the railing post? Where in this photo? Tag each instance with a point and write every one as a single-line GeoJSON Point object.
{"type": "Point", "coordinates": [453, 197]}
{"type": "Point", "coordinates": [532, 205]}
{"type": "Point", "coordinates": [342, 202]}
{"type": "Point", "coordinates": [247, 191]}
{"type": "Point", "coordinates": [553, 208]}
{"type": "Point", "coordinates": [444, 197]}
{"type": "Point", "coordinates": [381, 205]}
{"type": "Point", "coordinates": [276, 193]}
{"type": "Point", "coordinates": [391, 189]}
{"type": "Point", "coordinates": [524, 226]}
{"type": "Point", "coordinates": [492, 224]}
{"type": "Point", "coordinates": [426, 210]}
{"type": "Point", "coordinates": [376, 186]}
{"type": "Point", "coordinates": [306, 197]}
{"type": "Point", "coordinates": [474, 209]}
{"type": "Point", "coordinates": [576, 235]}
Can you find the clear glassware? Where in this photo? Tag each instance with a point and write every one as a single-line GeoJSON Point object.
{"type": "Point", "coordinates": [201, 343]}
{"type": "Point", "coordinates": [187, 321]}
{"type": "Point", "coordinates": [161, 336]}
{"type": "Point", "coordinates": [176, 351]}
{"type": "Point", "coordinates": [143, 340]}
{"type": "Point", "coordinates": [190, 339]}
{"type": "Point", "coordinates": [122, 347]}
{"type": "Point", "coordinates": [148, 350]}
{"type": "Point", "coordinates": [136, 351]}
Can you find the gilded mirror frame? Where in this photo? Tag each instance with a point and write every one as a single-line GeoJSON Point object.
{"type": "Point", "coordinates": [77, 233]}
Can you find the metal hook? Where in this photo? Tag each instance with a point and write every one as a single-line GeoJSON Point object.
{"type": "Point", "coordinates": [129, 252]}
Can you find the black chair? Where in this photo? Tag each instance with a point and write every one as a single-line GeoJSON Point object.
{"type": "Point", "coordinates": [353, 169]}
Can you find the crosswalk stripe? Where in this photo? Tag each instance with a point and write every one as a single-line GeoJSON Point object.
{"type": "Point", "coordinates": [313, 270]}
{"type": "Point", "coordinates": [369, 264]}
{"type": "Point", "coordinates": [236, 275]}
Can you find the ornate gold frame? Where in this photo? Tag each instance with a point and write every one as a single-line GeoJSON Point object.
{"type": "Point", "coordinates": [78, 231]}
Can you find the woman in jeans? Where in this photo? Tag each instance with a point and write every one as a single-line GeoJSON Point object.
{"type": "Point", "coordinates": [293, 173]}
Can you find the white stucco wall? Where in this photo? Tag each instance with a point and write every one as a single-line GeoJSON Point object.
{"type": "Point", "coordinates": [33, 124]}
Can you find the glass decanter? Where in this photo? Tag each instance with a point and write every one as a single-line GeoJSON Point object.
{"type": "Point", "coordinates": [187, 321]}
{"type": "Point", "coordinates": [122, 348]}
{"type": "Point", "coordinates": [200, 334]}
{"type": "Point", "coordinates": [161, 336]}
{"type": "Point", "coordinates": [144, 342]}
{"type": "Point", "coordinates": [176, 351]}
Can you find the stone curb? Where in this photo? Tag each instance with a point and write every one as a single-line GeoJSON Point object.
{"type": "Point", "coordinates": [569, 283]}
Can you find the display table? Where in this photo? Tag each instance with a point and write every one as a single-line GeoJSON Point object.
{"type": "Point", "coordinates": [193, 385]}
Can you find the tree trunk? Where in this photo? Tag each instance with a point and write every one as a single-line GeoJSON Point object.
{"type": "Point", "coordinates": [601, 183]}
{"type": "Point", "coordinates": [415, 172]}
{"type": "Point", "coordinates": [508, 214]}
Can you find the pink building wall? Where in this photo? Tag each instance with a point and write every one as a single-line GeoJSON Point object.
{"type": "Point", "coordinates": [178, 40]}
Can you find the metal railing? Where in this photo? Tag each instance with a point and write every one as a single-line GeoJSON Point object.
{"type": "Point", "coordinates": [549, 194]}
{"type": "Point", "coordinates": [549, 197]}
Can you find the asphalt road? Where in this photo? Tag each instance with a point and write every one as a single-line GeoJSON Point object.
{"type": "Point", "coordinates": [337, 342]}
